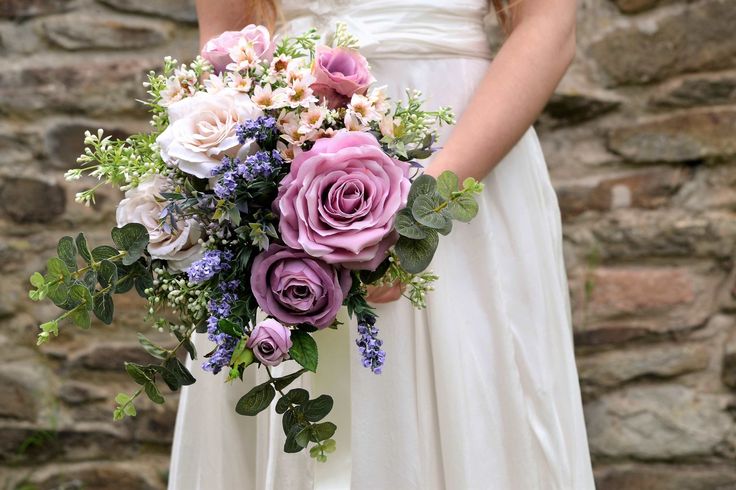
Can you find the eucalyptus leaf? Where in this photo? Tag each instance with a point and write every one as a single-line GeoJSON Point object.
{"type": "Point", "coordinates": [59, 294]}
{"type": "Point", "coordinates": [153, 393]}
{"type": "Point", "coordinates": [104, 308]}
{"type": "Point", "coordinates": [182, 374]}
{"type": "Point", "coordinates": [464, 208]}
{"type": "Point", "coordinates": [318, 408]}
{"type": "Point", "coordinates": [256, 400]}
{"type": "Point", "coordinates": [422, 185]}
{"type": "Point", "coordinates": [131, 238]}
{"type": "Point", "coordinates": [151, 348]}
{"type": "Point", "coordinates": [81, 318]}
{"type": "Point", "coordinates": [447, 183]}
{"type": "Point", "coordinates": [304, 350]}
{"type": "Point", "coordinates": [83, 249]}
{"type": "Point", "coordinates": [107, 273]}
{"type": "Point", "coordinates": [407, 226]}
{"type": "Point", "coordinates": [79, 294]}
{"type": "Point", "coordinates": [104, 252]}
{"type": "Point", "coordinates": [57, 270]}
{"type": "Point", "coordinates": [142, 282]}
{"type": "Point", "coordinates": [136, 372]}
{"type": "Point", "coordinates": [416, 255]}
{"type": "Point", "coordinates": [297, 396]}
{"type": "Point", "coordinates": [425, 211]}
{"type": "Point", "coordinates": [67, 251]}
{"type": "Point", "coordinates": [291, 446]}
{"type": "Point", "coordinates": [322, 432]}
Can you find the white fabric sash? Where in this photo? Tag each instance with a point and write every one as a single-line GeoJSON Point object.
{"type": "Point", "coordinates": [390, 29]}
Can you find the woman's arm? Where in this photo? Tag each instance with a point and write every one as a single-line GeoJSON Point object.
{"type": "Point", "coordinates": [515, 89]}
{"type": "Point", "coordinates": [218, 16]}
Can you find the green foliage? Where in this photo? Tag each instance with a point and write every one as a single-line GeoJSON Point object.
{"type": "Point", "coordinates": [256, 400]}
{"type": "Point", "coordinates": [299, 46]}
{"type": "Point", "coordinates": [132, 239]}
{"type": "Point", "coordinates": [304, 350]}
{"type": "Point", "coordinates": [431, 207]}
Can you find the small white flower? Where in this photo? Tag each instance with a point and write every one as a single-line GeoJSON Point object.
{"type": "Point", "coordinates": [267, 98]}
{"type": "Point", "coordinates": [214, 83]}
{"type": "Point", "coordinates": [387, 126]}
{"type": "Point", "coordinates": [299, 94]}
{"type": "Point", "coordinates": [239, 82]}
{"type": "Point", "coordinates": [379, 99]}
{"type": "Point", "coordinates": [353, 122]}
{"type": "Point", "coordinates": [312, 118]}
{"type": "Point", "coordinates": [243, 54]}
{"type": "Point", "coordinates": [362, 106]}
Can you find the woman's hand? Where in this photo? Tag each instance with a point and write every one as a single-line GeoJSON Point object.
{"type": "Point", "coordinates": [385, 294]}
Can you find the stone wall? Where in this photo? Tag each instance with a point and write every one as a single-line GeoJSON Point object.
{"type": "Point", "coordinates": [641, 143]}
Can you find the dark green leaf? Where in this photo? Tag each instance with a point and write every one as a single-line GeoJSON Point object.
{"type": "Point", "coordinates": [143, 282]}
{"type": "Point", "coordinates": [424, 210]}
{"type": "Point", "coordinates": [138, 375]}
{"type": "Point", "coordinates": [256, 400]}
{"type": "Point", "coordinates": [448, 228]}
{"type": "Point", "coordinates": [67, 251]}
{"type": "Point", "coordinates": [126, 280]}
{"type": "Point", "coordinates": [59, 294]}
{"type": "Point", "coordinates": [304, 350]}
{"type": "Point", "coordinates": [422, 185]}
{"type": "Point", "coordinates": [464, 208]}
{"type": "Point", "coordinates": [89, 279]}
{"type": "Point", "coordinates": [153, 393]}
{"type": "Point", "coordinates": [322, 432]}
{"type": "Point", "coordinates": [151, 348]}
{"type": "Point", "coordinates": [180, 371]}
{"type": "Point", "coordinates": [302, 437]}
{"type": "Point", "coordinates": [104, 308]}
{"type": "Point", "coordinates": [416, 255]}
{"type": "Point", "coordinates": [407, 226]}
{"type": "Point", "coordinates": [103, 252]}
{"type": "Point", "coordinates": [291, 446]}
{"type": "Point", "coordinates": [290, 422]}
{"type": "Point", "coordinates": [447, 183]}
{"type": "Point", "coordinates": [230, 328]}
{"type": "Point", "coordinates": [284, 381]}
{"type": "Point", "coordinates": [79, 294]}
{"type": "Point", "coordinates": [107, 273]}
{"type": "Point", "coordinates": [318, 408]}
{"type": "Point", "coordinates": [133, 239]}
{"type": "Point", "coordinates": [187, 343]}
{"type": "Point", "coordinates": [83, 249]}
{"type": "Point", "coordinates": [297, 396]}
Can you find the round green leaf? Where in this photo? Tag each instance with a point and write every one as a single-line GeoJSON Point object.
{"type": "Point", "coordinates": [407, 226]}
{"type": "Point", "coordinates": [422, 185]}
{"type": "Point", "coordinates": [447, 183]}
{"type": "Point", "coordinates": [104, 308]}
{"type": "Point", "coordinates": [464, 208]}
{"type": "Point", "coordinates": [416, 255]}
{"type": "Point", "coordinates": [318, 408]}
{"type": "Point", "coordinates": [424, 211]}
{"type": "Point", "coordinates": [322, 432]}
{"type": "Point", "coordinates": [67, 251]}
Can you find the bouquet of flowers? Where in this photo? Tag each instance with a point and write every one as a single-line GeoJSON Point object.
{"type": "Point", "coordinates": [276, 184]}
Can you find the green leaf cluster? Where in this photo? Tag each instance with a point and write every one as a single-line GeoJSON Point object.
{"type": "Point", "coordinates": [432, 205]}
{"type": "Point", "coordinates": [82, 280]}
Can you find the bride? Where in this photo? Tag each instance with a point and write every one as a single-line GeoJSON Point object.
{"type": "Point", "coordinates": [479, 390]}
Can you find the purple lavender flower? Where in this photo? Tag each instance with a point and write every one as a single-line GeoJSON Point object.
{"type": "Point", "coordinates": [225, 187]}
{"type": "Point", "coordinates": [211, 263]}
{"type": "Point", "coordinates": [221, 308]}
{"type": "Point", "coordinates": [369, 345]}
{"type": "Point", "coordinates": [262, 129]}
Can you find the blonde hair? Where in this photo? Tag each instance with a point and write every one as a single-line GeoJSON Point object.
{"type": "Point", "coordinates": [268, 12]}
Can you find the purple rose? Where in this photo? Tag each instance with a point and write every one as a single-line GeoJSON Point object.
{"type": "Point", "coordinates": [339, 200]}
{"type": "Point", "coordinates": [296, 288]}
{"type": "Point", "coordinates": [339, 73]}
{"type": "Point", "coordinates": [270, 342]}
{"type": "Point", "coordinates": [217, 50]}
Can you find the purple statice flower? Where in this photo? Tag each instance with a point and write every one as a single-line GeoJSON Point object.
{"type": "Point", "coordinates": [225, 343]}
{"type": "Point", "coordinates": [226, 164]}
{"type": "Point", "coordinates": [261, 129]}
{"type": "Point", "coordinates": [211, 263]}
{"type": "Point", "coordinates": [260, 164]}
{"type": "Point", "coordinates": [369, 345]}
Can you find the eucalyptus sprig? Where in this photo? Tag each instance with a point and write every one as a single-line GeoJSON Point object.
{"type": "Point", "coordinates": [432, 205]}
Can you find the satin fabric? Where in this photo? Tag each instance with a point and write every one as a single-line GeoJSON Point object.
{"type": "Point", "coordinates": [480, 390]}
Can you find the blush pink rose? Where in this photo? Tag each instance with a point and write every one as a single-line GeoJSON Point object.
{"type": "Point", "coordinates": [296, 288]}
{"type": "Point", "coordinates": [270, 342]}
{"type": "Point", "coordinates": [339, 73]}
{"type": "Point", "coordinates": [339, 200]}
{"type": "Point", "coordinates": [217, 50]}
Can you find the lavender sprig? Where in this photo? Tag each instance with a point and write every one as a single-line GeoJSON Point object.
{"type": "Point", "coordinates": [369, 345]}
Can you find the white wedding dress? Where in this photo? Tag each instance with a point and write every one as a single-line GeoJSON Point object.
{"type": "Point", "coordinates": [480, 390]}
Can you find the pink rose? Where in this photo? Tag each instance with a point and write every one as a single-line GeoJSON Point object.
{"type": "Point", "coordinates": [339, 200]}
{"type": "Point", "coordinates": [340, 73]}
{"type": "Point", "coordinates": [296, 288]}
{"type": "Point", "coordinates": [217, 50]}
{"type": "Point", "coordinates": [270, 342]}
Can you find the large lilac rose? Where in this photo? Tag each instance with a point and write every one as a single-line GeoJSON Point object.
{"type": "Point", "coordinates": [339, 200]}
{"type": "Point", "coordinates": [217, 50]}
{"type": "Point", "coordinates": [270, 342]}
{"type": "Point", "coordinates": [296, 288]}
{"type": "Point", "coordinates": [339, 73]}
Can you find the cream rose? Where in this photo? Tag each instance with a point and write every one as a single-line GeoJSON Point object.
{"type": "Point", "coordinates": [202, 130]}
{"type": "Point", "coordinates": [145, 205]}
